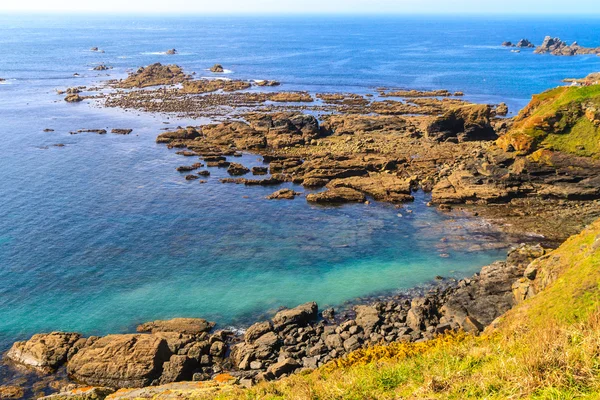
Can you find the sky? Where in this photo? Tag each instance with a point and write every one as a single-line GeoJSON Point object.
{"type": "Point", "coordinates": [307, 6]}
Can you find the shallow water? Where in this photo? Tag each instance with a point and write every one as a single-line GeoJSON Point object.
{"type": "Point", "coordinates": [103, 233]}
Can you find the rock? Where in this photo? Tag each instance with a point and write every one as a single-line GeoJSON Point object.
{"type": "Point", "coordinates": [73, 98]}
{"type": "Point", "coordinates": [212, 85]}
{"type": "Point", "coordinates": [236, 169]}
{"type": "Point", "coordinates": [525, 43]}
{"type": "Point", "coordinates": [154, 75]}
{"type": "Point", "coordinates": [507, 44]}
{"type": "Point", "coordinates": [334, 341]}
{"type": "Point", "coordinates": [501, 109]}
{"type": "Point", "coordinates": [121, 131]}
{"type": "Point", "coordinates": [259, 170]}
{"type": "Point", "coordinates": [287, 194]}
{"type": "Point", "coordinates": [94, 49]}
{"type": "Point", "coordinates": [190, 326]}
{"type": "Point", "coordinates": [300, 315]}
{"type": "Point", "coordinates": [269, 339]}
{"type": "Point", "coordinates": [11, 392]}
{"type": "Point", "coordinates": [381, 186]}
{"type": "Point", "coordinates": [133, 360]}
{"type": "Point", "coordinates": [191, 177]}
{"type": "Point", "coordinates": [337, 196]}
{"type": "Point", "coordinates": [368, 318]}
{"type": "Point", "coordinates": [328, 314]}
{"type": "Point", "coordinates": [267, 83]}
{"type": "Point", "coordinates": [101, 67]}
{"type": "Point", "coordinates": [466, 123]}
{"type": "Point", "coordinates": [217, 68]}
{"type": "Point", "coordinates": [257, 330]}
{"type": "Point", "coordinates": [351, 344]}
{"type": "Point", "coordinates": [471, 325]}
{"type": "Point", "coordinates": [43, 352]}
{"type": "Point", "coordinates": [204, 173]}
{"type": "Point", "coordinates": [218, 349]}
{"type": "Point", "coordinates": [282, 367]}
{"type": "Point", "coordinates": [178, 368]}
{"type": "Point", "coordinates": [188, 133]}
{"type": "Point", "coordinates": [171, 52]}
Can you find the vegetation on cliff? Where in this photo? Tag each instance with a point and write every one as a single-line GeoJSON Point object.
{"type": "Point", "coordinates": [561, 119]}
{"type": "Point", "coordinates": [546, 347]}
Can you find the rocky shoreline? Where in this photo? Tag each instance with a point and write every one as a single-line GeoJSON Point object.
{"type": "Point", "coordinates": [294, 340]}
{"type": "Point", "coordinates": [345, 148]}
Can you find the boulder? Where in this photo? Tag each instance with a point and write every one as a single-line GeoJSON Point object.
{"type": "Point", "coordinates": [178, 368]}
{"type": "Point", "coordinates": [73, 98]}
{"type": "Point", "coordinates": [285, 366]}
{"type": "Point", "coordinates": [132, 360]}
{"type": "Point", "coordinates": [217, 68]}
{"type": "Point", "coordinates": [171, 52]}
{"type": "Point", "coordinates": [300, 315]}
{"type": "Point", "coordinates": [368, 318]}
{"type": "Point", "coordinates": [257, 330]}
{"type": "Point", "coordinates": [44, 352]}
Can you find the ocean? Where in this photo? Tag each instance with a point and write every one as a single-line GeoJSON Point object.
{"type": "Point", "coordinates": [103, 233]}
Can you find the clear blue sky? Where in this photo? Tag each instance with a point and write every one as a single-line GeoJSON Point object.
{"type": "Point", "coordinates": [542, 7]}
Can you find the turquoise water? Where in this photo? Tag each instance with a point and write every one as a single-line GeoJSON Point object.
{"type": "Point", "coordinates": [103, 233]}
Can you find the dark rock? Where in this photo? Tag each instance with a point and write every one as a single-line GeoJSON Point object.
{"type": "Point", "coordinates": [236, 169]}
{"type": "Point", "coordinates": [121, 131]}
{"type": "Point", "coordinates": [217, 68]}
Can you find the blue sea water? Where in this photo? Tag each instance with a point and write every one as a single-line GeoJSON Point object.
{"type": "Point", "coordinates": [103, 233]}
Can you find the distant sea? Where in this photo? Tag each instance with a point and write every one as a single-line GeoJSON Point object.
{"type": "Point", "coordinates": [103, 233]}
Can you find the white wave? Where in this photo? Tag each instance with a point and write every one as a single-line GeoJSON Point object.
{"type": "Point", "coordinates": [225, 71]}
{"type": "Point", "coordinates": [7, 82]}
{"type": "Point", "coordinates": [164, 53]}
{"type": "Point", "coordinates": [217, 78]}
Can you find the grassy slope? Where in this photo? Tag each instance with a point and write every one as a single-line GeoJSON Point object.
{"type": "Point", "coordinates": [537, 126]}
{"type": "Point", "coordinates": [545, 348]}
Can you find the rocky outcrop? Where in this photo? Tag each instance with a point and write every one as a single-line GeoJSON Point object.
{"type": "Point", "coordinates": [188, 133]}
{"type": "Point", "coordinates": [43, 352]}
{"type": "Point", "coordinates": [154, 75]}
{"type": "Point", "coordinates": [121, 131]}
{"type": "Point", "coordinates": [102, 67]}
{"type": "Point", "coordinates": [73, 98]}
{"type": "Point", "coordinates": [523, 43]}
{"type": "Point", "coordinates": [382, 187]}
{"type": "Point", "coordinates": [171, 52]}
{"type": "Point", "coordinates": [557, 47]}
{"type": "Point", "coordinates": [217, 68]}
{"type": "Point", "coordinates": [466, 123]}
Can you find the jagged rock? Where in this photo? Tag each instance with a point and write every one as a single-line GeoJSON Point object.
{"type": "Point", "coordinates": [300, 315]}
{"type": "Point", "coordinates": [154, 75]}
{"type": "Point", "coordinates": [217, 68]}
{"type": "Point", "coordinates": [525, 43]}
{"type": "Point", "coordinates": [11, 392]}
{"type": "Point", "coordinates": [236, 169]}
{"type": "Point", "coordinates": [44, 352]}
{"type": "Point", "coordinates": [133, 360]}
{"type": "Point", "coordinates": [171, 52]}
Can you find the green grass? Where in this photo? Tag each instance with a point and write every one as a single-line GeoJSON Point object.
{"type": "Point", "coordinates": [547, 347]}
{"type": "Point", "coordinates": [555, 120]}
